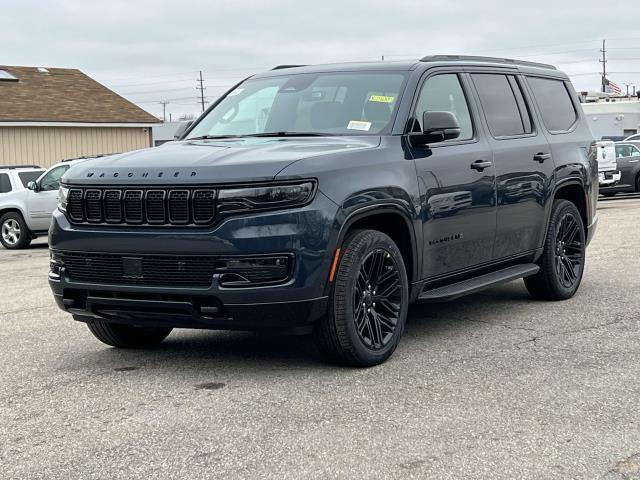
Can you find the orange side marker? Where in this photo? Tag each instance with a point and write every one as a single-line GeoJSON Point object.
{"type": "Point", "coordinates": [334, 265]}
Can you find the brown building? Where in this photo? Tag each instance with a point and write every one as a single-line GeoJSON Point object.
{"type": "Point", "coordinates": [50, 114]}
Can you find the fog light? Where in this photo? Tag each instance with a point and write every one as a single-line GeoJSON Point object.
{"type": "Point", "coordinates": [55, 265]}
{"type": "Point", "coordinates": [250, 271]}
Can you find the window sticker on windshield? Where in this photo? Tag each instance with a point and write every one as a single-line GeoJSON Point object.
{"type": "Point", "coordinates": [237, 91]}
{"type": "Point", "coordinates": [381, 99]}
{"type": "Point", "coordinates": [359, 125]}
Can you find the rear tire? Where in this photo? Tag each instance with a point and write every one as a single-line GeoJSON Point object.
{"type": "Point", "coordinates": [563, 259]}
{"type": "Point", "coordinates": [127, 336]}
{"type": "Point", "coordinates": [368, 302]}
{"type": "Point", "coordinates": [14, 233]}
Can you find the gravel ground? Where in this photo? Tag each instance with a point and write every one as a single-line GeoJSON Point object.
{"type": "Point", "coordinates": [494, 385]}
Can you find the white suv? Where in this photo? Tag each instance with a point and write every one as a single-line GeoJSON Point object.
{"type": "Point", "coordinates": [28, 197]}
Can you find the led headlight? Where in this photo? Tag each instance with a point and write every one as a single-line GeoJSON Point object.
{"type": "Point", "coordinates": [63, 195]}
{"type": "Point", "coordinates": [262, 197]}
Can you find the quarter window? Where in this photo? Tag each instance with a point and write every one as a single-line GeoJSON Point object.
{"type": "Point", "coordinates": [5, 183]}
{"type": "Point", "coordinates": [554, 101]}
{"type": "Point", "coordinates": [443, 93]}
{"type": "Point", "coordinates": [503, 104]}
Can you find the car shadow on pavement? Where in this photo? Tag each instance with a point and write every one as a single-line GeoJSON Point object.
{"type": "Point", "coordinates": [187, 349]}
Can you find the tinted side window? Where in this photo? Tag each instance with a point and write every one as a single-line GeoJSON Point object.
{"type": "Point", "coordinates": [554, 101]}
{"type": "Point", "coordinates": [26, 177]}
{"type": "Point", "coordinates": [443, 93]}
{"type": "Point", "coordinates": [502, 106]}
{"type": "Point", "coordinates": [5, 183]}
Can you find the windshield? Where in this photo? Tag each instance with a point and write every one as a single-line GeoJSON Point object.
{"type": "Point", "coordinates": [314, 103]}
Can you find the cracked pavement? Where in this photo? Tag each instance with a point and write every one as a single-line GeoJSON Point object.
{"type": "Point", "coordinates": [495, 385]}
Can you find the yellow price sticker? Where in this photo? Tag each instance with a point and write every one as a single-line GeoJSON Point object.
{"type": "Point", "coordinates": [381, 99]}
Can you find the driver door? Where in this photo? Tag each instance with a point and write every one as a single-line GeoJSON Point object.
{"type": "Point", "coordinates": [44, 201]}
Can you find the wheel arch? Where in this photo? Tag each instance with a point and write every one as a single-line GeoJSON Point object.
{"type": "Point", "coordinates": [393, 221]}
{"type": "Point", "coordinates": [574, 191]}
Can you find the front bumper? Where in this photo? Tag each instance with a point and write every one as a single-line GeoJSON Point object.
{"type": "Point", "coordinates": [307, 233]}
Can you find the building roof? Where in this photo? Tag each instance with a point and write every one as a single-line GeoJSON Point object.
{"type": "Point", "coordinates": [63, 95]}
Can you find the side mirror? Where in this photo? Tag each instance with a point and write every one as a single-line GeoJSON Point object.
{"type": "Point", "coordinates": [436, 127]}
{"type": "Point", "coordinates": [32, 186]}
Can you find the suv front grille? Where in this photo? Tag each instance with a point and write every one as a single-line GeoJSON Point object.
{"type": "Point", "coordinates": [150, 206]}
{"type": "Point", "coordinates": [176, 271]}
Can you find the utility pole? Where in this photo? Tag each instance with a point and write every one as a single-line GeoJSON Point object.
{"type": "Point", "coordinates": [164, 110]}
{"type": "Point", "coordinates": [202, 88]}
{"type": "Point", "coordinates": [604, 66]}
{"type": "Point", "coordinates": [627, 85]}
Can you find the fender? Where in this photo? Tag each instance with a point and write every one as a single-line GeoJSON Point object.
{"type": "Point", "coordinates": [562, 183]}
{"type": "Point", "coordinates": [380, 208]}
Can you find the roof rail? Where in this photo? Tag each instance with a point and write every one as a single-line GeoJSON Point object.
{"type": "Point", "coordinates": [87, 157]}
{"type": "Point", "coordinates": [281, 67]}
{"type": "Point", "coordinates": [473, 58]}
{"type": "Point", "coordinates": [13, 167]}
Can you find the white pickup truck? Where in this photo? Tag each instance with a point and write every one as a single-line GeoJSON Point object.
{"type": "Point", "coordinates": [608, 173]}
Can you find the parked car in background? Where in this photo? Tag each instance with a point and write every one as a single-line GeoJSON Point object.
{"type": "Point", "coordinates": [632, 138]}
{"type": "Point", "coordinates": [608, 174]}
{"type": "Point", "coordinates": [628, 164]}
{"type": "Point", "coordinates": [16, 177]}
{"type": "Point", "coordinates": [26, 208]}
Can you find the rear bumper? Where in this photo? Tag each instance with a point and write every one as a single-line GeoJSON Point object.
{"type": "Point", "coordinates": [609, 178]}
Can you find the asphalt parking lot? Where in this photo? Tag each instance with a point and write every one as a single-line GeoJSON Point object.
{"type": "Point", "coordinates": [495, 385]}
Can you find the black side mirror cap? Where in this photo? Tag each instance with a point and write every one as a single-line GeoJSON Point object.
{"type": "Point", "coordinates": [436, 127]}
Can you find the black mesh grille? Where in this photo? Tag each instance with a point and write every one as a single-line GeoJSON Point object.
{"type": "Point", "coordinates": [203, 206]}
{"type": "Point", "coordinates": [112, 206]}
{"type": "Point", "coordinates": [74, 205]}
{"type": "Point", "coordinates": [175, 271]}
{"type": "Point", "coordinates": [133, 207]}
{"type": "Point", "coordinates": [157, 206]}
{"type": "Point", "coordinates": [156, 270]}
{"type": "Point", "coordinates": [93, 206]}
{"type": "Point", "coordinates": [179, 206]}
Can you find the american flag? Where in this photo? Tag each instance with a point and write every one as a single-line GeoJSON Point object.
{"type": "Point", "coordinates": [612, 87]}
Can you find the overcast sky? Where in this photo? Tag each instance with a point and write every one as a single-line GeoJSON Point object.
{"type": "Point", "coordinates": [150, 51]}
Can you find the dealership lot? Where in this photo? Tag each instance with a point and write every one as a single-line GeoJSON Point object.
{"type": "Point", "coordinates": [495, 385]}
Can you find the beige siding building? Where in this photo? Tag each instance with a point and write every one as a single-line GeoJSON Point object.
{"type": "Point", "coordinates": [48, 115]}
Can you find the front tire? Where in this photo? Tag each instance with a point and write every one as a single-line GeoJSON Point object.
{"type": "Point", "coordinates": [127, 336]}
{"type": "Point", "coordinates": [368, 303]}
{"type": "Point", "coordinates": [563, 258]}
{"type": "Point", "coordinates": [14, 233]}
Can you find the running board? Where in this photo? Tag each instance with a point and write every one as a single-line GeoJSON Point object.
{"type": "Point", "coordinates": [473, 285]}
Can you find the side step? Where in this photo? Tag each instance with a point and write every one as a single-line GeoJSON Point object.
{"type": "Point", "coordinates": [473, 285]}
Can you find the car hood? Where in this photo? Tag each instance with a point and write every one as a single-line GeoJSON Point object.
{"type": "Point", "coordinates": [210, 161]}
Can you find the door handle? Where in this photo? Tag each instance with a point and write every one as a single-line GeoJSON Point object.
{"type": "Point", "coordinates": [541, 157]}
{"type": "Point", "coordinates": [480, 165]}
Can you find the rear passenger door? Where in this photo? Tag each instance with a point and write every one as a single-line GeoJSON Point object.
{"type": "Point", "coordinates": [523, 163]}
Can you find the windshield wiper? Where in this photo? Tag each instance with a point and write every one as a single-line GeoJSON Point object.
{"type": "Point", "coordinates": [213, 137]}
{"type": "Point", "coordinates": [286, 134]}
{"type": "Point", "coordinates": [265, 134]}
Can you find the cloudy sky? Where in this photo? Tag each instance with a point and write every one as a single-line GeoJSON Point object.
{"type": "Point", "coordinates": [152, 51]}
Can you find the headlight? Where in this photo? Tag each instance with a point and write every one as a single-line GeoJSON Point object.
{"type": "Point", "coordinates": [272, 196]}
{"type": "Point", "coordinates": [63, 195]}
